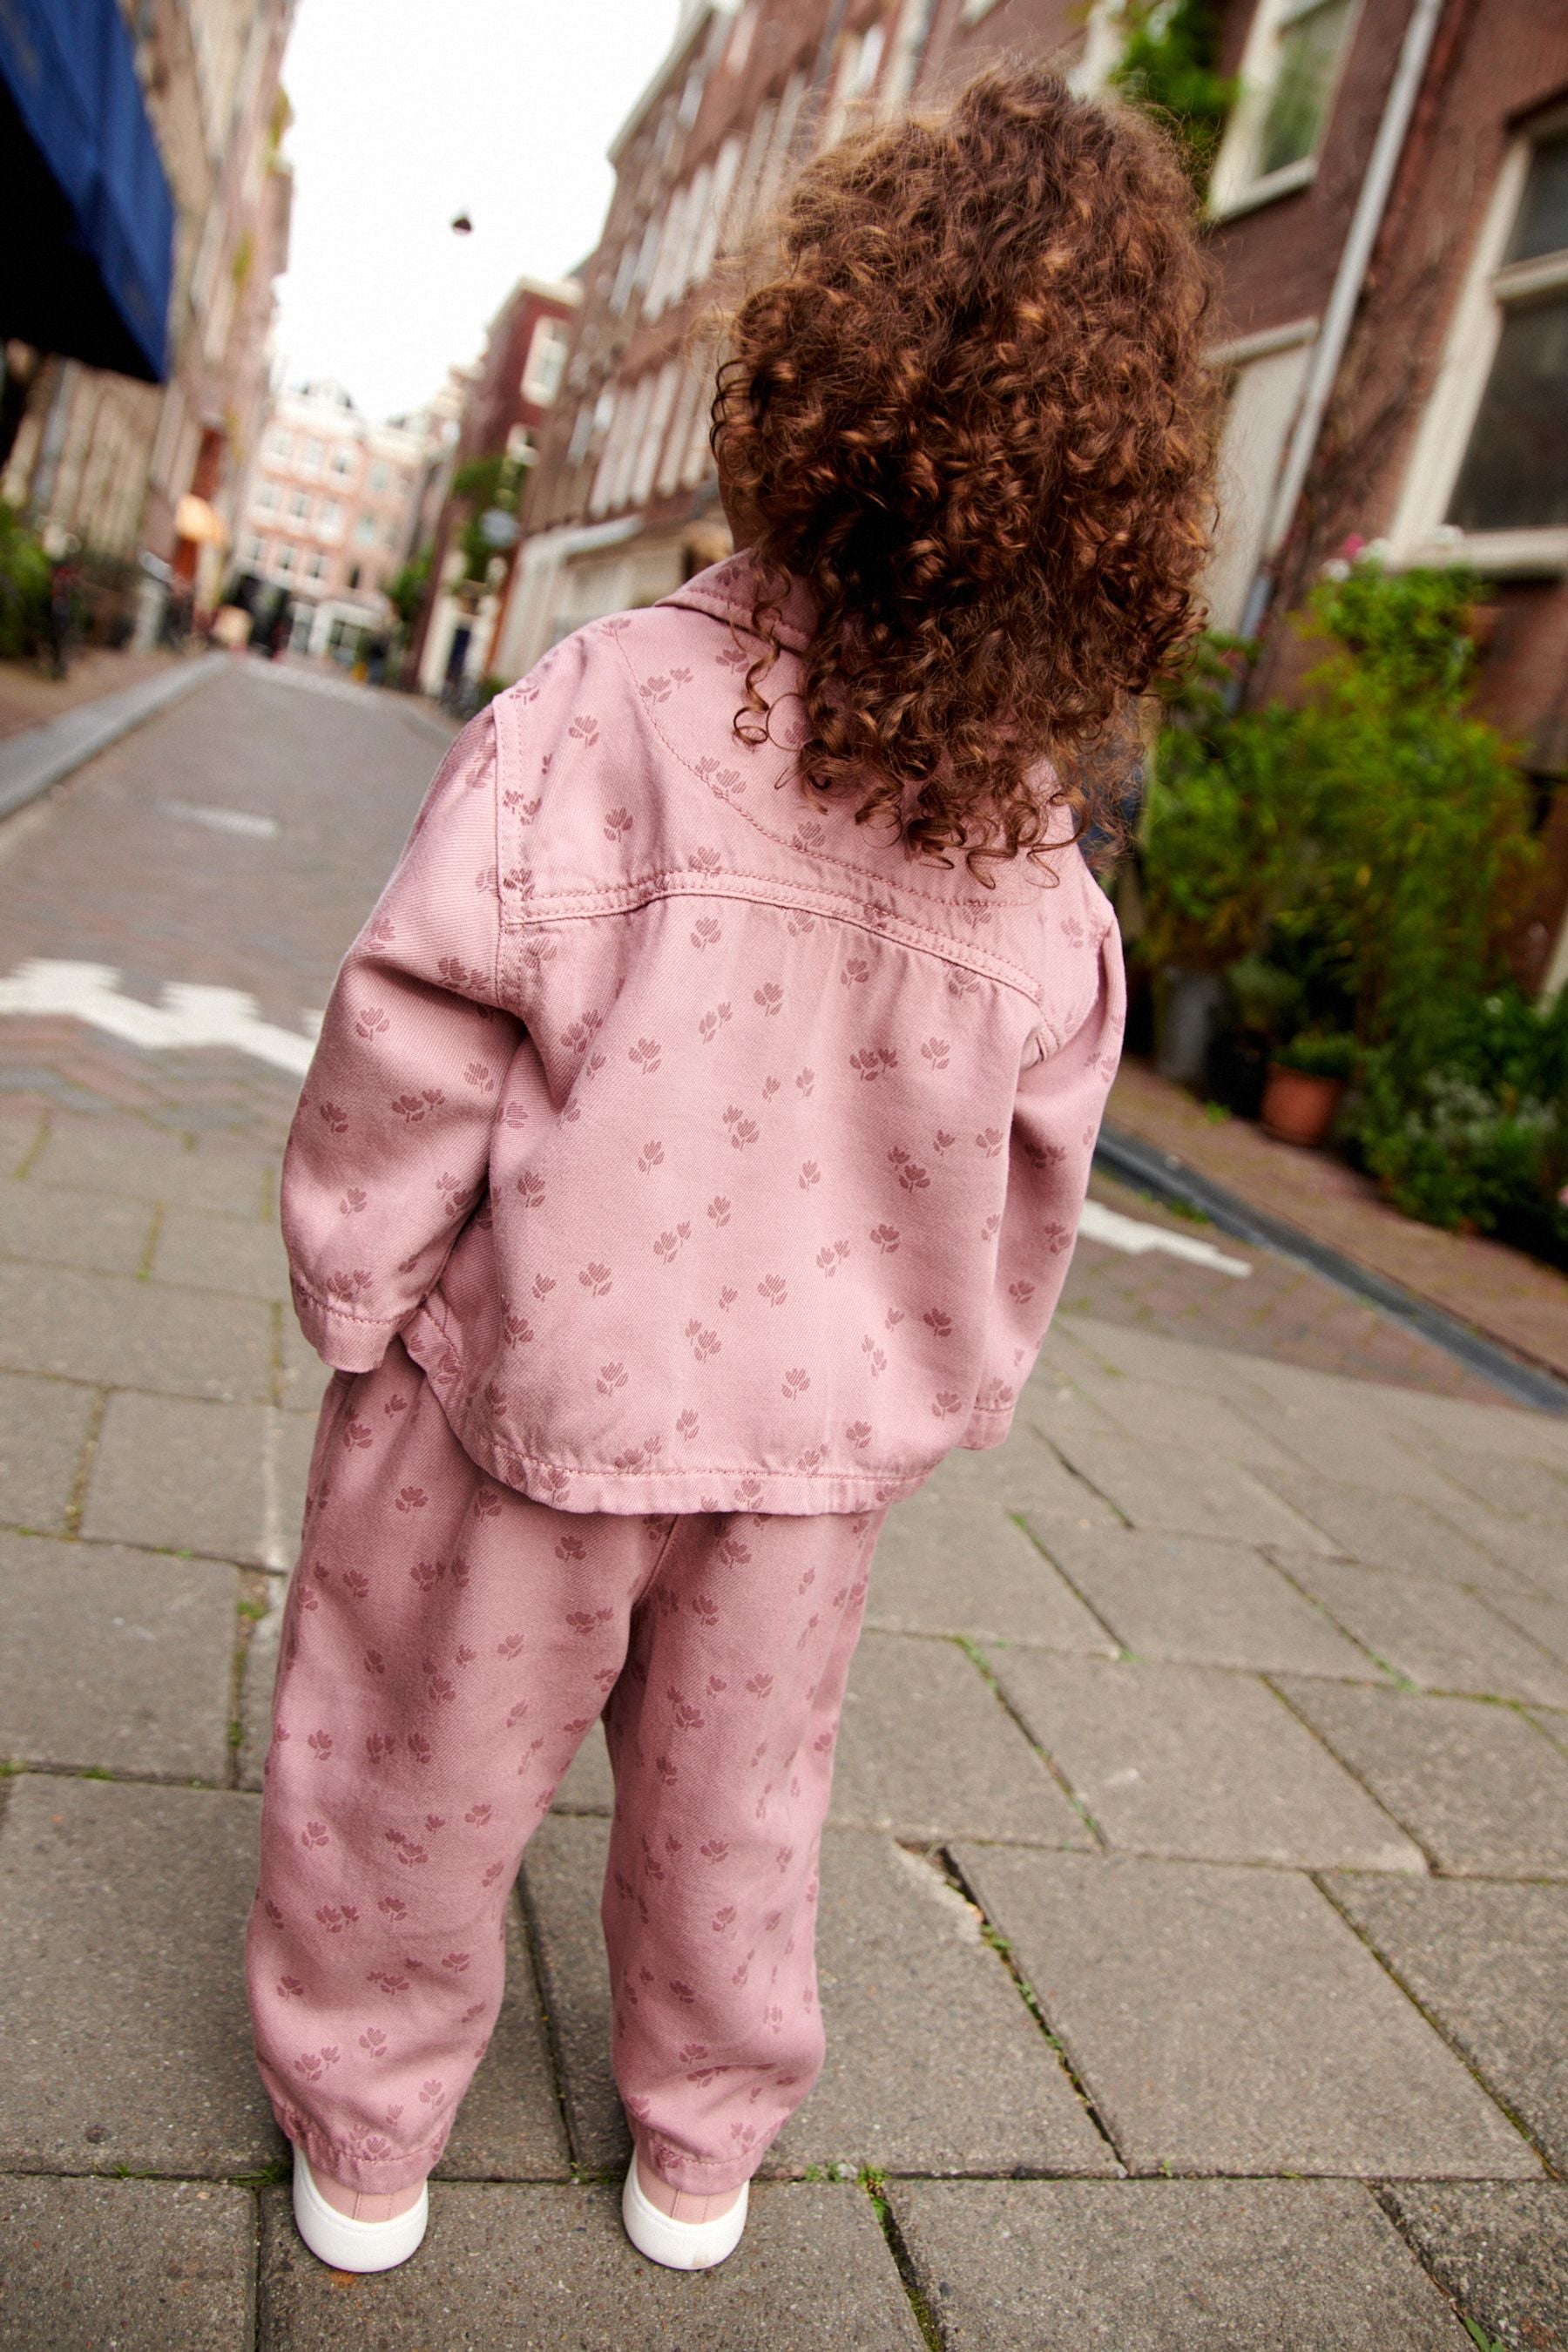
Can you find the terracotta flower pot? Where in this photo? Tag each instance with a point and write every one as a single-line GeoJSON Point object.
{"type": "Point", "coordinates": [1299, 1107]}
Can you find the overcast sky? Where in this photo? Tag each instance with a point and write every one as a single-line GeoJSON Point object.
{"type": "Point", "coordinates": [409, 111]}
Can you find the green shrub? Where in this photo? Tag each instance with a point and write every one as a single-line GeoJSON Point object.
{"type": "Point", "coordinates": [1417, 831]}
{"type": "Point", "coordinates": [1352, 865]}
{"type": "Point", "coordinates": [1170, 64]}
{"type": "Point", "coordinates": [1319, 1054]}
{"type": "Point", "coordinates": [1478, 1134]}
{"type": "Point", "coordinates": [1218, 821]}
{"type": "Point", "coordinates": [23, 586]}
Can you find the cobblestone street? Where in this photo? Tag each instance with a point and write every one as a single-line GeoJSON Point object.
{"type": "Point", "coordinates": [1194, 1937]}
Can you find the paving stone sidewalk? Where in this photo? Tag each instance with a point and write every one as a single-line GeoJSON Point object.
{"type": "Point", "coordinates": [1195, 1915]}
{"type": "Point", "coordinates": [1517, 1301]}
{"type": "Point", "coordinates": [1194, 1945]}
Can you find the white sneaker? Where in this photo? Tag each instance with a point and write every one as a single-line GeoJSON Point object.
{"type": "Point", "coordinates": [348, 2245]}
{"type": "Point", "coordinates": [680, 2245]}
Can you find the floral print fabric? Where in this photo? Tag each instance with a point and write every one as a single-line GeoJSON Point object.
{"type": "Point", "coordinates": [706, 1152]}
{"type": "Point", "coordinates": [447, 1646]}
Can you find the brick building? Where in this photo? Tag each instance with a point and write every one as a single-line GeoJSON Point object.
{"type": "Point", "coordinates": [126, 468]}
{"type": "Point", "coordinates": [332, 506]}
{"type": "Point", "coordinates": [510, 396]}
{"type": "Point", "coordinates": [623, 506]}
{"type": "Point", "coordinates": [1389, 218]}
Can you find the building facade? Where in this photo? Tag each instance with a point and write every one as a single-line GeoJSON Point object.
{"type": "Point", "coordinates": [1388, 215]}
{"type": "Point", "coordinates": [509, 395]}
{"type": "Point", "coordinates": [129, 469]}
{"type": "Point", "coordinates": [623, 504]}
{"type": "Point", "coordinates": [331, 508]}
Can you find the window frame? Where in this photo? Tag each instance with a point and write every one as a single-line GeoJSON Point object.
{"type": "Point", "coordinates": [1419, 533]}
{"type": "Point", "coordinates": [544, 364]}
{"type": "Point", "coordinates": [1234, 186]}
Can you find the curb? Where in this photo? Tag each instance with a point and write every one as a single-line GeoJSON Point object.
{"type": "Point", "coordinates": [1160, 1173]}
{"type": "Point", "coordinates": [31, 762]}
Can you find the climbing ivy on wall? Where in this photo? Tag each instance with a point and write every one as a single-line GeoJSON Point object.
{"type": "Point", "coordinates": [1170, 64]}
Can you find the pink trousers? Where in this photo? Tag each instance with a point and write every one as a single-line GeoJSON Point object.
{"type": "Point", "coordinates": [446, 1645]}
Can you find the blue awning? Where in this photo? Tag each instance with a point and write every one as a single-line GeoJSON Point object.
{"type": "Point", "coordinates": [86, 257]}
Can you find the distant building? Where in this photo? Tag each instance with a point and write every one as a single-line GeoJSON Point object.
{"type": "Point", "coordinates": [128, 468]}
{"type": "Point", "coordinates": [439, 427]}
{"type": "Point", "coordinates": [623, 504]}
{"type": "Point", "coordinates": [508, 398]}
{"type": "Point", "coordinates": [332, 504]}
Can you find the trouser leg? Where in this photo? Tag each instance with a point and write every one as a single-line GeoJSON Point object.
{"type": "Point", "coordinates": [446, 1645]}
{"type": "Point", "coordinates": [721, 1731]}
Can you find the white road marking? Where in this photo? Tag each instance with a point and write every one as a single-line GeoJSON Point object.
{"type": "Point", "coordinates": [188, 1015]}
{"type": "Point", "coordinates": [192, 1015]}
{"type": "Point", "coordinates": [223, 820]}
{"type": "Point", "coordinates": [1100, 1223]}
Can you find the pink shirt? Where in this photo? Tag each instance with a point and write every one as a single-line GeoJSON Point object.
{"type": "Point", "coordinates": [707, 1152]}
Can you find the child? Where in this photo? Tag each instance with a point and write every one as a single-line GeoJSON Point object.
{"type": "Point", "coordinates": [694, 1150]}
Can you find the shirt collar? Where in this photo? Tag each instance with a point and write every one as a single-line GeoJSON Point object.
{"type": "Point", "coordinates": [724, 590]}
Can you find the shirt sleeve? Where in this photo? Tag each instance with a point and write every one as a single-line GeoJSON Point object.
{"type": "Point", "coordinates": [1056, 1119]}
{"type": "Point", "coordinates": [389, 1149]}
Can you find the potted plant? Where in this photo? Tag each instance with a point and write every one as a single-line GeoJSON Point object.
{"type": "Point", "coordinates": [1306, 1078]}
{"type": "Point", "coordinates": [1263, 1004]}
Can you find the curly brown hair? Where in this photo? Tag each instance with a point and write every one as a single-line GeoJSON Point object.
{"type": "Point", "coordinates": [969, 409]}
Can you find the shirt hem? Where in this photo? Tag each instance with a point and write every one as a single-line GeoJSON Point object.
{"type": "Point", "coordinates": [578, 1486]}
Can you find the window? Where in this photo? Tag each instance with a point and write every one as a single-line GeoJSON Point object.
{"type": "Point", "coordinates": [671, 238]}
{"type": "Point", "coordinates": [626, 270]}
{"type": "Point", "coordinates": [629, 428]}
{"type": "Point", "coordinates": [546, 361]}
{"type": "Point", "coordinates": [1515, 472]}
{"type": "Point", "coordinates": [1103, 36]}
{"type": "Point", "coordinates": [779, 145]}
{"type": "Point", "coordinates": [265, 497]}
{"type": "Point", "coordinates": [581, 426]}
{"type": "Point", "coordinates": [739, 44]}
{"type": "Point", "coordinates": [250, 551]}
{"type": "Point", "coordinates": [285, 559]}
{"type": "Point", "coordinates": [1487, 476]}
{"type": "Point", "coordinates": [342, 463]}
{"type": "Point", "coordinates": [904, 60]}
{"type": "Point", "coordinates": [299, 506]}
{"type": "Point", "coordinates": [316, 566]}
{"type": "Point", "coordinates": [734, 227]}
{"type": "Point", "coordinates": [697, 458]}
{"type": "Point", "coordinates": [311, 458]}
{"type": "Point", "coordinates": [726, 166]}
{"type": "Point", "coordinates": [858, 60]}
{"type": "Point", "coordinates": [1288, 75]}
{"type": "Point", "coordinates": [364, 531]}
{"type": "Point", "coordinates": [1265, 375]}
{"type": "Point", "coordinates": [693, 395]}
{"type": "Point", "coordinates": [377, 478]}
{"type": "Point", "coordinates": [280, 445]}
{"type": "Point", "coordinates": [654, 431]}
{"type": "Point", "coordinates": [331, 523]}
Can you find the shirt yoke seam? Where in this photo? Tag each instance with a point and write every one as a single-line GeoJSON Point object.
{"type": "Point", "coordinates": [829, 856]}
{"type": "Point", "coordinates": [675, 882]}
{"type": "Point", "coordinates": [619, 897]}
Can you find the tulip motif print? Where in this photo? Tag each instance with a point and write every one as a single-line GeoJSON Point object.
{"type": "Point", "coordinates": [375, 1947]}
{"type": "Point", "coordinates": [660, 1056]}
